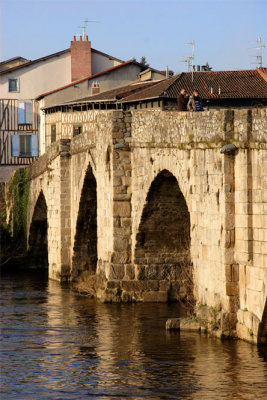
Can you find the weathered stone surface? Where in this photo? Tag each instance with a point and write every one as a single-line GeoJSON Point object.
{"type": "Point", "coordinates": [155, 296]}
{"type": "Point", "coordinates": [113, 284]}
{"type": "Point", "coordinates": [170, 169]}
{"type": "Point", "coordinates": [173, 324]}
{"type": "Point", "coordinates": [122, 209]}
{"type": "Point", "coordinates": [141, 286]}
{"type": "Point", "coordinates": [129, 272]}
{"type": "Point", "coordinates": [190, 325]}
{"type": "Point", "coordinates": [164, 286]}
{"type": "Point", "coordinates": [116, 272]}
{"type": "Point", "coordinates": [122, 257]}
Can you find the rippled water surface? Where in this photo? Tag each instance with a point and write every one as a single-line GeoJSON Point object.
{"type": "Point", "coordinates": [58, 345]}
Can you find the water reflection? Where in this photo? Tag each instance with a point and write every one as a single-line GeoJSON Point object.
{"type": "Point", "coordinates": [58, 345]}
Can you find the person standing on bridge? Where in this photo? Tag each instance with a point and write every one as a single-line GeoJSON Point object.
{"type": "Point", "coordinates": [195, 102]}
{"type": "Point", "coordinates": [182, 100]}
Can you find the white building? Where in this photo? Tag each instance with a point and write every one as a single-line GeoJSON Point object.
{"type": "Point", "coordinates": [22, 81]}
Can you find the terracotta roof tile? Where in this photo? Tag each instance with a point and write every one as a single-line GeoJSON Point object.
{"type": "Point", "coordinates": [155, 91]}
{"type": "Point", "coordinates": [210, 84]}
{"type": "Point", "coordinates": [120, 92]}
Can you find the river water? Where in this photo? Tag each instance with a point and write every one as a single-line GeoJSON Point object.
{"type": "Point", "coordinates": [56, 344]}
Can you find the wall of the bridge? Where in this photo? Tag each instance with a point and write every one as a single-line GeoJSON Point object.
{"type": "Point", "coordinates": [126, 159]}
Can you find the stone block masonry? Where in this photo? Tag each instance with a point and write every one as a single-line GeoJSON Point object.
{"type": "Point", "coordinates": [146, 202]}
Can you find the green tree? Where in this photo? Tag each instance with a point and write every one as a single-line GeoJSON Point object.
{"type": "Point", "coordinates": [143, 61]}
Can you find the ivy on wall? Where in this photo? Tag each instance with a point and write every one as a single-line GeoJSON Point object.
{"type": "Point", "coordinates": [19, 193]}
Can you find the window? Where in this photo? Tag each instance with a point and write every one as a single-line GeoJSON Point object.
{"type": "Point", "coordinates": [77, 130]}
{"type": "Point", "coordinates": [53, 133]}
{"type": "Point", "coordinates": [13, 85]}
{"type": "Point", "coordinates": [25, 112]}
{"type": "Point", "coordinates": [24, 145]}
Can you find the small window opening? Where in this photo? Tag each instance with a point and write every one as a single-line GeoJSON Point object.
{"type": "Point", "coordinates": [53, 133]}
{"type": "Point", "coordinates": [13, 85]}
{"type": "Point", "coordinates": [77, 130]}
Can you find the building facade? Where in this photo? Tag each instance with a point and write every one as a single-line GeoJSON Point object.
{"type": "Point", "coordinates": [21, 81]}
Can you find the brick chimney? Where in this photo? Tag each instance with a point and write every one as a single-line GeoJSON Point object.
{"type": "Point", "coordinates": [95, 88]}
{"type": "Point", "coordinates": [81, 64]}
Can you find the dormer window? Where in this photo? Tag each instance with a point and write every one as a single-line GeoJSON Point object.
{"type": "Point", "coordinates": [13, 85]}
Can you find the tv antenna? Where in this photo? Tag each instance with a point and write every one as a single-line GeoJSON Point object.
{"type": "Point", "coordinates": [259, 48]}
{"type": "Point", "coordinates": [190, 59]}
{"type": "Point", "coordinates": [84, 26]}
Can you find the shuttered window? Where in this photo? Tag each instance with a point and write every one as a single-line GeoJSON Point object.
{"type": "Point", "coordinates": [25, 112]}
{"type": "Point", "coordinates": [24, 146]}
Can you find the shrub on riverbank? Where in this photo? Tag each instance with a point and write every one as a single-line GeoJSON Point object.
{"type": "Point", "coordinates": [13, 230]}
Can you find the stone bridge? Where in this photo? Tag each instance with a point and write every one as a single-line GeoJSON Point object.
{"type": "Point", "coordinates": [147, 202]}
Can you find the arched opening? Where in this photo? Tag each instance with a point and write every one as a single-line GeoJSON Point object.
{"type": "Point", "coordinates": [85, 242]}
{"type": "Point", "coordinates": [262, 333]}
{"type": "Point", "coordinates": [163, 241]}
{"type": "Point", "coordinates": [37, 250]}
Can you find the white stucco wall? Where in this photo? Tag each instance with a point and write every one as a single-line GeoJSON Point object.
{"type": "Point", "coordinates": [113, 79]}
{"type": "Point", "coordinates": [38, 78]}
{"type": "Point", "coordinates": [100, 62]}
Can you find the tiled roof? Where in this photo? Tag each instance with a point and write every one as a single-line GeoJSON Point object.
{"type": "Point", "coordinates": [211, 85]}
{"type": "Point", "coordinates": [13, 59]}
{"type": "Point", "coordinates": [263, 72]}
{"type": "Point", "coordinates": [157, 90]}
{"type": "Point", "coordinates": [118, 93]}
{"type": "Point", "coordinates": [222, 84]}
{"type": "Point", "coordinates": [233, 84]}
{"type": "Point", "coordinates": [112, 95]}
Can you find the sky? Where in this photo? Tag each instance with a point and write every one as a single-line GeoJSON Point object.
{"type": "Point", "coordinates": [223, 30]}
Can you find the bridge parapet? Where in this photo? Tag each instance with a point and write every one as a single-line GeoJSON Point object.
{"type": "Point", "coordinates": [61, 146]}
{"type": "Point", "coordinates": [210, 128]}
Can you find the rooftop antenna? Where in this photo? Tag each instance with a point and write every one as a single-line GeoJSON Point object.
{"type": "Point", "coordinates": [190, 59]}
{"type": "Point", "coordinates": [84, 26]}
{"type": "Point", "coordinates": [187, 59]}
{"type": "Point", "coordinates": [259, 47]}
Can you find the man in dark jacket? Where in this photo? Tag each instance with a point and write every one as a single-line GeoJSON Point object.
{"type": "Point", "coordinates": [182, 100]}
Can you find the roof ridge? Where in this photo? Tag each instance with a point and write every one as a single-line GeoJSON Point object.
{"type": "Point", "coordinates": [36, 60]}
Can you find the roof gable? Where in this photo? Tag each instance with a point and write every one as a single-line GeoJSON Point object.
{"type": "Point", "coordinates": [59, 53]}
{"type": "Point", "coordinates": [38, 60]}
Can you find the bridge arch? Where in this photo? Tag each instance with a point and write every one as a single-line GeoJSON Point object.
{"type": "Point", "coordinates": [37, 239]}
{"type": "Point", "coordinates": [262, 331]}
{"type": "Point", "coordinates": [84, 256]}
{"type": "Point", "coordinates": [162, 246]}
